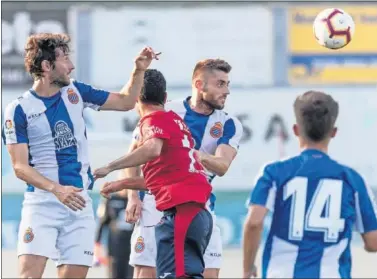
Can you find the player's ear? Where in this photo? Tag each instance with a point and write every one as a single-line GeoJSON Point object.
{"type": "Point", "coordinates": [198, 83]}
{"type": "Point", "coordinates": [296, 130]}
{"type": "Point", "coordinates": [46, 66]}
{"type": "Point", "coordinates": [334, 131]}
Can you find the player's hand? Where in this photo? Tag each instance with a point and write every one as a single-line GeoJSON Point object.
{"type": "Point", "coordinates": [251, 273]}
{"type": "Point", "coordinates": [198, 155]}
{"type": "Point", "coordinates": [145, 57]}
{"type": "Point", "coordinates": [69, 196]}
{"type": "Point", "coordinates": [133, 210]}
{"type": "Point", "coordinates": [110, 187]}
{"type": "Point", "coordinates": [101, 172]}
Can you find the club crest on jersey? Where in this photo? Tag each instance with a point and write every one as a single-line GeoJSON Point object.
{"type": "Point", "coordinates": [140, 245]}
{"type": "Point", "coordinates": [72, 96]}
{"type": "Point", "coordinates": [8, 124]}
{"type": "Point", "coordinates": [9, 127]}
{"type": "Point", "coordinates": [29, 235]}
{"type": "Point", "coordinates": [63, 136]}
{"type": "Point", "coordinates": [217, 130]}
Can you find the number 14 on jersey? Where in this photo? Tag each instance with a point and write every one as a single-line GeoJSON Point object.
{"type": "Point", "coordinates": [327, 198]}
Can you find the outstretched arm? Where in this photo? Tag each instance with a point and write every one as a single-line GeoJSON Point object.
{"type": "Point", "coordinates": [131, 183]}
{"type": "Point", "coordinates": [150, 150]}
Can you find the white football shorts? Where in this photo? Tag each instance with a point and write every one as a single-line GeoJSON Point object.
{"type": "Point", "coordinates": [50, 229]}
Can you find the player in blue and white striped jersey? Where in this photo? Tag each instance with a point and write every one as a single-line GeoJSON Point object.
{"type": "Point", "coordinates": [45, 134]}
{"type": "Point", "coordinates": [217, 136]}
{"type": "Point", "coordinates": [315, 202]}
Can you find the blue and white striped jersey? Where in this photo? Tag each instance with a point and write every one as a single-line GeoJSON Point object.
{"type": "Point", "coordinates": [54, 130]}
{"type": "Point", "coordinates": [315, 202]}
{"type": "Point", "coordinates": [208, 131]}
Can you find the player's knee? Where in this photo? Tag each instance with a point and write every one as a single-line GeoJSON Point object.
{"type": "Point", "coordinates": [146, 271]}
{"type": "Point", "coordinates": [31, 266]}
{"type": "Point", "coordinates": [72, 271]}
{"type": "Point", "coordinates": [211, 273]}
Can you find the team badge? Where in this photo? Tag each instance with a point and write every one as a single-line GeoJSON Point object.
{"type": "Point", "coordinates": [216, 130]}
{"type": "Point", "coordinates": [72, 96]}
{"type": "Point", "coordinates": [8, 124]}
{"type": "Point", "coordinates": [29, 235]}
{"type": "Point", "coordinates": [140, 245]}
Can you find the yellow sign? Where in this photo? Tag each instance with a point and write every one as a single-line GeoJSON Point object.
{"type": "Point", "coordinates": [311, 63]}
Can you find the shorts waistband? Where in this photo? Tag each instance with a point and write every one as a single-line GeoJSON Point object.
{"type": "Point", "coordinates": [173, 210]}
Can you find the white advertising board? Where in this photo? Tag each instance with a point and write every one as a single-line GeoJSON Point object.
{"type": "Point", "coordinates": [263, 114]}
{"type": "Point", "coordinates": [243, 36]}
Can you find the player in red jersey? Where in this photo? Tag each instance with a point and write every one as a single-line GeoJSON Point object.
{"type": "Point", "coordinates": [174, 176]}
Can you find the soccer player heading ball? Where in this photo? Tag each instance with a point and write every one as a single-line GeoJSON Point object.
{"type": "Point", "coordinates": [45, 133]}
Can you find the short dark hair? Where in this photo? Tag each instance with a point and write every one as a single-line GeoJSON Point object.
{"type": "Point", "coordinates": [43, 46]}
{"type": "Point", "coordinates": [154, 89]}
{"type": "Point", "coordinates": [316, 113]}
{"type": "Point", "coordinates": [211, 65]}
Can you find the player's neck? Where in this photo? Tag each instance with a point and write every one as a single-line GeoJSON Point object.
{"type": "Point", "coordinates": [197, 105]}
{"type": "Point", "coordinates": [148, 109]}
{"type": "Point", "coordinates": [317, 146]}
{"type": "Point", "coordinates": [44, 88]}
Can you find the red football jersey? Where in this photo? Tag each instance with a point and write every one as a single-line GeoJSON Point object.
{"type": "Point", "coordinates": [175, 177]}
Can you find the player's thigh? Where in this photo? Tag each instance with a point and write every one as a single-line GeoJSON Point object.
{"type": "Point", "coordinates": [76, 240]}
{"type": "Point", "coordinates": [31, 266]}
{"type": "Point", "coordinates": [38, 231]}
{"type": "Point", "coordinates": [142, 271]}
{"type": "Point", "coordinates": [143, 246]}
{"type": "Point", "coordinates": [165, 257]}
{"type": "Point", "coordinates": [197, 239]}
{"type": "Point", "coordinates": [72, 271]}
{"type": "Point", "coordinates": [213, 253]}
{"type": "Point", "coordinates": [211, 273]}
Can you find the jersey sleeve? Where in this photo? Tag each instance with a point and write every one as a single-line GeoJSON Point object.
{"type": "Point", "coordinates": [93, 98]}
{"type": "Point", "coordinates": [232, 133]}
{"type": "Point", "coordinates": [154, 127]}
{"type": "Point", "coordinates": [366, 208]}
{"type": "Point", "coordinates": [15, 125]}
{"type": "Point", "coordinates": [264, 191]}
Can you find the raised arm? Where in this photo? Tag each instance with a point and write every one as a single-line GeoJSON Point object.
{"type": "Point", "coordinates": [126, 98]}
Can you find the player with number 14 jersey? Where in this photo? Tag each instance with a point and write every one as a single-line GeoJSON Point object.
{"type": "Point", "coordinates": [315, 202]}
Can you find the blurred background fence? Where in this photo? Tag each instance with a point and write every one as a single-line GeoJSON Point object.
{"type": "Point", "coordinates": [274, 57]}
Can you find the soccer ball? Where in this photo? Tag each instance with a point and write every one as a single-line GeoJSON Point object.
{"type": "Point", "coordinates": [333, 28]}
